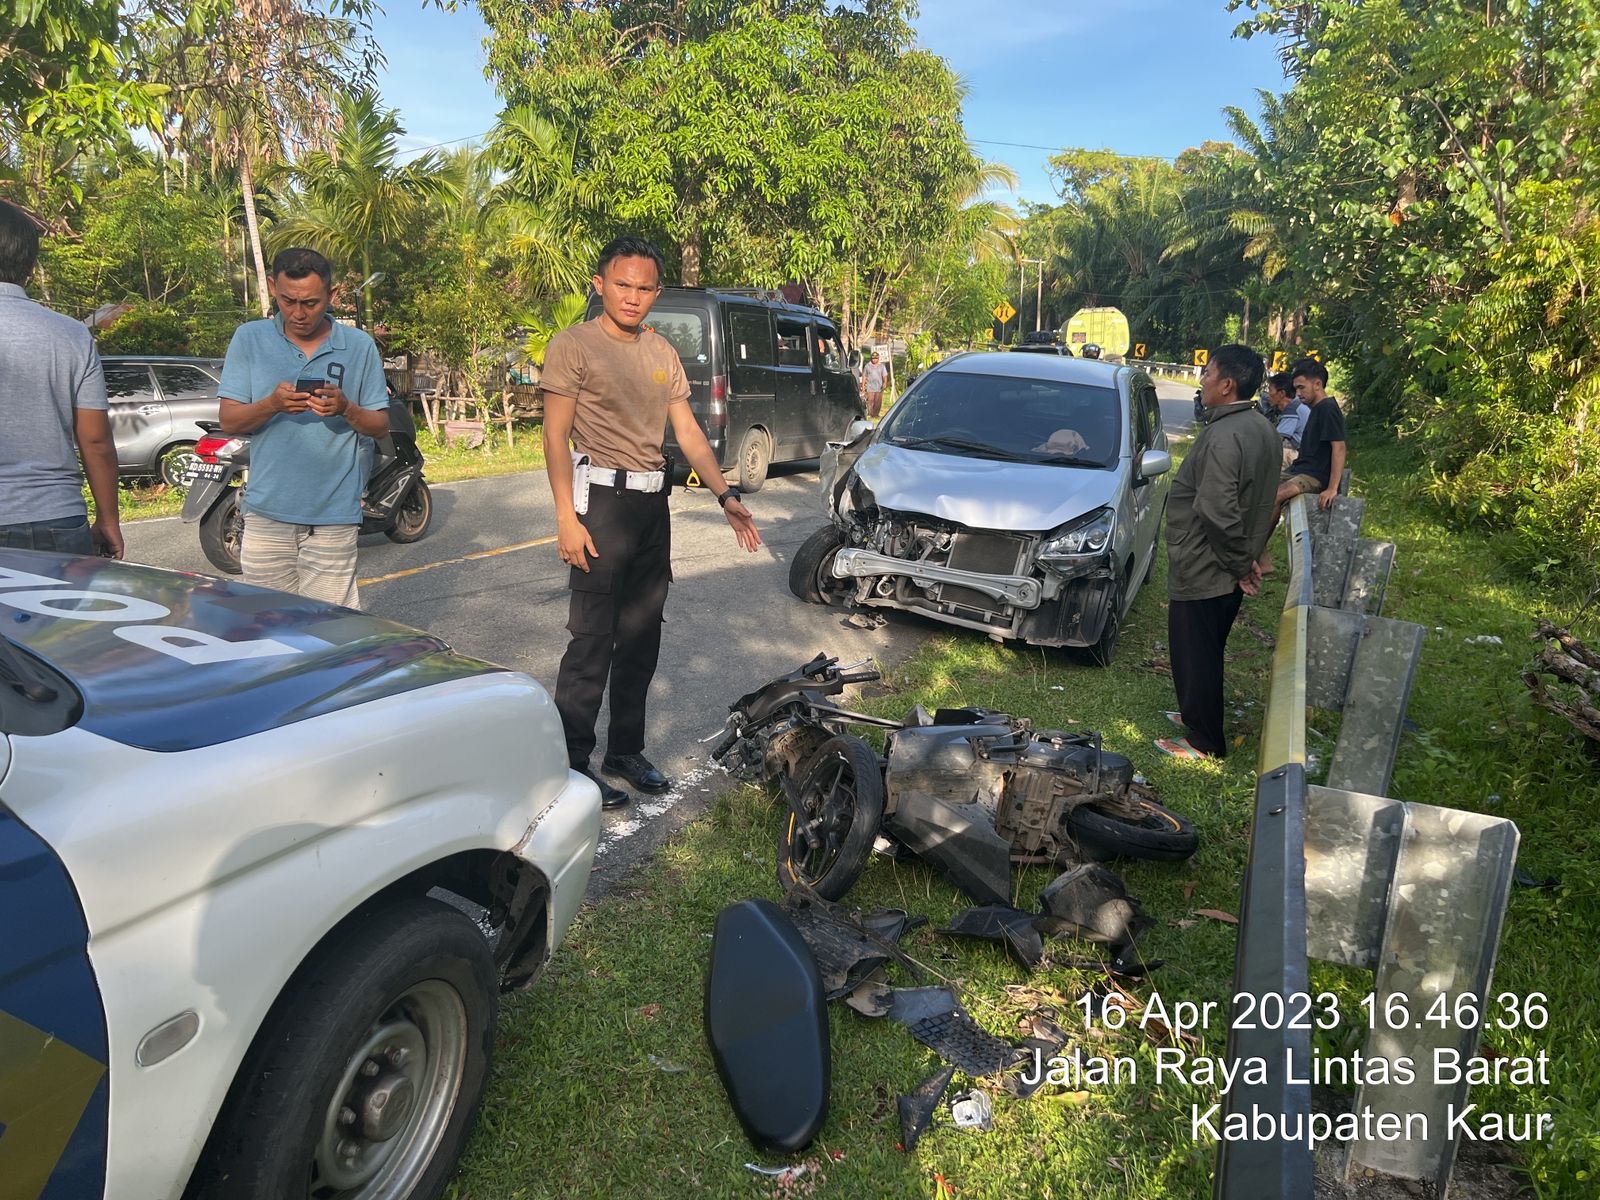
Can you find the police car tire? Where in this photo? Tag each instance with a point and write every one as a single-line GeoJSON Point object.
{"type": "Point", "coordinates": [264, 1143]}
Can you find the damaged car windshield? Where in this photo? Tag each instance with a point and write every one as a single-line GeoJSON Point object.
{"type": "Point", "coordinates": [1023, 420]}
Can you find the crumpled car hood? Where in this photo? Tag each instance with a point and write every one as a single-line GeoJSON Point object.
{"type": "Point", "coordinates": [982, 493]}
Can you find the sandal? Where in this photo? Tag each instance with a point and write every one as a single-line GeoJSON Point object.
{"type": "Point", "coordinates": [1179, 748]}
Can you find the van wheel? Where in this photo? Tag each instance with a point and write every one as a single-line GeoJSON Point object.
{"type": "Point", "coordinates": [755, 456]}
{"type": "Point", "coordinates": [365, 1079]}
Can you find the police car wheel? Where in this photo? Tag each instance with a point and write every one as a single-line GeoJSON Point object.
{"type": "Point", "coordinates": [364, 1081]}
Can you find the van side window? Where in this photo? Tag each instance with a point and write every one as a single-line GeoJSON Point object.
{"type": "Point", "coordinates": [829, 352]}
{"type": "Point", "coordinates": [686, 331]}
{"type": "Point", "coordinates": [751, 337]}
{"type": "Point", "coordinates": [794, 334]}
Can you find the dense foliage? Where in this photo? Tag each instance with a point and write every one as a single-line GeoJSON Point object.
{"type": "Point", "coordinates": [1437, 202]}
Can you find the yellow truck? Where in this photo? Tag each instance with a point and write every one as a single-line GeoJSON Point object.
{"type": "Point", "coordinates": [1104, 327]}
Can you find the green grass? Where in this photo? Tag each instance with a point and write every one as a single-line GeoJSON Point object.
{"type": "Point", "coordinates": [140, 498]}
{"type": "Point", "coordinates": [578, 1108]}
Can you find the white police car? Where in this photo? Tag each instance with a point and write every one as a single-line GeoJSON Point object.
{"type": "Point", "coordinates": [265, 865]}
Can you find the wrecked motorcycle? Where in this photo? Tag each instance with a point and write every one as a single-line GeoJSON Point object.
{"type": "Point", "coordinates": [971, 790]}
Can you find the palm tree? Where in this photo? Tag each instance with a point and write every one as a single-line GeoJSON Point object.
{"type": "Point", "coordinates": [544, 204]}
{"type": "Point", "coordinates": [253, 83]}
{"type": "Point", "coordinates": [353, 199]}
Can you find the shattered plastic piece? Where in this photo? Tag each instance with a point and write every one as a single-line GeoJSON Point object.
{"type": "Point", "coordinates": [1091, 902]}
{"type": "Point", "coordinates": [1001, 923]}
{"type": "Point", "coordinates": [847, 953]}
{"type": "Point", "coordinates": [671, 1068]}
{"type": "Point", "coordinates": [960, 840]}
{"type": "Point", "coordinates": [767, 1025]}
{"type": "Point", "coordinates": [873, 997]}
{"type": "Point", "coordinates": [864, 621]}
{"type": "Point", "coordinates": [917, 1107]}
{"type": "Point", "coordinates": [915, 1004]}
{"type": "Point", "coordinates": [957, 1038]}
{"type": "Point", "coordinates": [1484, 639]}
{"type": "Point", "coordinates": [972, 1110]}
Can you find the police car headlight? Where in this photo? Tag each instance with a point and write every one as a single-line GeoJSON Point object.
{"type": "Point", "coordinates": [1079, 540]}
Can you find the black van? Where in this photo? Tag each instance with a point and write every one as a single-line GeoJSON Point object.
{"type": "Point", "coordinates": [769, 381]}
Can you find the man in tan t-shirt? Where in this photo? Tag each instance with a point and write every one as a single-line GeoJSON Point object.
{"type": "Point", "coordinates": [610, 386]}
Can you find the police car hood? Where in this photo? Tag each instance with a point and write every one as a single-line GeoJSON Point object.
{"type": "Point", "coordinates": [171, 661]}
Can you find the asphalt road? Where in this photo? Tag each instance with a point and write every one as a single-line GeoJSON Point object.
{"type": "Point", "coordinates": [486, 578]}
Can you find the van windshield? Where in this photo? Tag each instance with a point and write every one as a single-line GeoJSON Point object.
{"type": "Point", "coordinates": [996, 416]}
{"type": "Point", "coordinates": [686, 331]}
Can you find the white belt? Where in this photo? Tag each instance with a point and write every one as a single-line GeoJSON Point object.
{"type": "Point", "coordinates": [633, 481]}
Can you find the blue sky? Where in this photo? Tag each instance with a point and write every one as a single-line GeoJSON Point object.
{"type": "Point", "coordinates": [1135, 76]}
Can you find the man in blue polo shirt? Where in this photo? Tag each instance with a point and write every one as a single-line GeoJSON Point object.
{"type": "Point", "coordinates": [309, 392]}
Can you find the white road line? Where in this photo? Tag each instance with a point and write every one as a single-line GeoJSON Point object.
{"type": "Point", "coordinates": [646, 811]}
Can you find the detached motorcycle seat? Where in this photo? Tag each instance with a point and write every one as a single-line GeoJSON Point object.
{"type": "Point", "coordinates": [767, 1025]}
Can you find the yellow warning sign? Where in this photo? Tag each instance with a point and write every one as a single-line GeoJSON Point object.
{"type": "Point", "coordinates": [1138, 349]}
{"type": "Point", "coordinates": [1280, 361]}
{"type": "Point", "coordinates": [1003, 312]}
{"type": "Point", "coordinates": [1201, 357]}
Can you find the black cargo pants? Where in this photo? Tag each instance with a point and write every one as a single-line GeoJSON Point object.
{"type": "Point", "coordinates": [615, 620]}
{"type": "Point", "coordinates": [1197, 633]}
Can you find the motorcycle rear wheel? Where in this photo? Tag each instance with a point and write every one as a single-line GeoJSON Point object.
{"type": "Point", "coordinates": [840, 794]}
{"type": "Point", "coordinates": [1158, 833]}
{"type": "Point", "coordinates": [222, 533]}
{"type": "Point", "coordinates": [414, 515]}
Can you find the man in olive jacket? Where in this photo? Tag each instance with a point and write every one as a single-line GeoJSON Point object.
{"type": "Point", "coordinates": [1219, 516]}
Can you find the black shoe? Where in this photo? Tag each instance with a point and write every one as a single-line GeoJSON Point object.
{"type": "Point", "coordinates": [610, 797]}
{"type": "Point", "coordinates": [637, 770]}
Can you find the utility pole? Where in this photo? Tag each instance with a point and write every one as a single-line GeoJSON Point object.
{"type": "Point", "coordinates": [1038, 303]}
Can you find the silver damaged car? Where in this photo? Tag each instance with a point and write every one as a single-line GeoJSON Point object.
{"type": "Point", "coordinates": [1018, 494]}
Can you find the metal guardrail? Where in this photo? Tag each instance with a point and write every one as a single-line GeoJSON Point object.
{"type": "Point", "coordinates": [1271, 954]}
{"type": "Point", "coordinates": [1414, 892]}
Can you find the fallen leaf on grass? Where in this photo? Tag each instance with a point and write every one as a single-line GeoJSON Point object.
{"type": "Point", "coordinates": [1188, 887]}
{"type": "Point", "coordinates": [1183, 924]}
{"type": "Point", "coordinates": [1216, 914]}
{"type": "Point", "coordinates": [648, 1010]}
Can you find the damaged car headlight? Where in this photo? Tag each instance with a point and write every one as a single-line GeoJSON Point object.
{"type": "Point", "coordinates": [1087, 536]}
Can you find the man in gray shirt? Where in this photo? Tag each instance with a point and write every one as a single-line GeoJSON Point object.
{"type": "Point", "coordinates": [52, 408]}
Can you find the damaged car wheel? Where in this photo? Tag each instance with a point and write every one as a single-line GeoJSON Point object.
{"type": "Point", "coordinates": [1105, 649]}
{"type": "Point", "coordinates": [837, 807]}
{"type": "Point", "coordinates": [810, 576]}
{"type": "Point", "coordinates": [1150, 831]}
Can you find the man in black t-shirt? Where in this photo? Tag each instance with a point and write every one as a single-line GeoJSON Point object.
{"type": "Point", "coordinates": [1320, 465]}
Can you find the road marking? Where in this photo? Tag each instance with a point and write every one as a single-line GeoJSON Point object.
{"type": "Point", "coordinates": [645, 811]}
{"type": "Point", "coordinates": [451, 562]}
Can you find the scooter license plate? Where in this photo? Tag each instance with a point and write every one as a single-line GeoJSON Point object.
{"type": "Point", "coordinates": [207, 470]}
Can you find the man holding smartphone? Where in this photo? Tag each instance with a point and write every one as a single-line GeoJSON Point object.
{"type": "Point", "coordinates": [309, 391]}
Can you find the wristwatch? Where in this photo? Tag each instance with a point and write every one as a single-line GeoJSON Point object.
{"type": "Point", "coordinates": [732, 493]}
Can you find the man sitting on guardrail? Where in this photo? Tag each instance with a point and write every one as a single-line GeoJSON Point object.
{"type": "Point", "coordinates": [1218, 517]}
{"type": "Point", "coordinates": [1320, 463]}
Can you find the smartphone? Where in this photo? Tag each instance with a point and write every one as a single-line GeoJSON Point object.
{"type": "Point", "coordinates": [309, 385]}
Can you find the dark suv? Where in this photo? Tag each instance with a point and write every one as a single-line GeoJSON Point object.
{"type": "Point", "coordinates": [769, 381]}
{"type": "Point", "coordinates": [155, 403]}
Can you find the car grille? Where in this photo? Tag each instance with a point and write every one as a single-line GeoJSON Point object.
{"type": "Point", "coordinates": [986, 554]}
